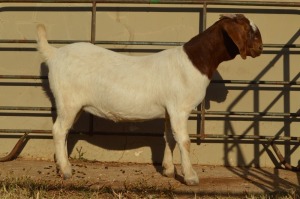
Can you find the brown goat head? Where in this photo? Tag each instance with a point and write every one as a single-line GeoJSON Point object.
{"type": "Point", "coordinates": [244, 33]}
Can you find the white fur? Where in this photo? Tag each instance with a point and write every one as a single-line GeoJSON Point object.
{"type": "Point", "coordinates": [124, 88]}
{"type": "Point", "coordinates": [253, 26]}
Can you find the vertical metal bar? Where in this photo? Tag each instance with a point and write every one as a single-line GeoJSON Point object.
{"type": "Point", "coordinates": [202, 127]}
{"type": "Point", "coordinates": [204, 16]}
{"type": "Point", "coordinates": [286, 102]}
{"type": "Point", "coordinates": [198, 139]}
{"type": "Point", "coordinates": [93, 39]}
{"type": "Point", "coordinates": [93, 25]}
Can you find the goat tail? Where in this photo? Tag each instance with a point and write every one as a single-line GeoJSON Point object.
{"type": "Point", "coordinates": [43, 46]}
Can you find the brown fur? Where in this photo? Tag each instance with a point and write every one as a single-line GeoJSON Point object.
{"type": "Point", "coordinates": [187, 145]}
{"type": "Point", "coordinates": [229, 36]}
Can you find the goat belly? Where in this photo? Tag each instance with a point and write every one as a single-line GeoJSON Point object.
{"type": "Point", "coordinates": [123, 115]}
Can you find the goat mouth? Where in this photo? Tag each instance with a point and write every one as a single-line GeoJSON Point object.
{"type": "Point", "coordinates": [255, 53]}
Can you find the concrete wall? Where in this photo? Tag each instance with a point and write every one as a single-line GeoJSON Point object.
{"type": "Point", "coordinates": [172, 23]}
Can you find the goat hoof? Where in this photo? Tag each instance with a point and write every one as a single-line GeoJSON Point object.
{"type": "Point", "coordinates": [191, 181]}
{"type": "Point", "coordinates": [66, 173]}
{"type": "Point", "coordinates": [169, 174]}
{"type": "Point", "coordinates": [66, 176]}
{"type": "Point", "coordinates": [63, 175]}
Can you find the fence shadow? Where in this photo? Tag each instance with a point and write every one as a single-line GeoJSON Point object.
{"type": "Point", "coordinates": [285, 130]}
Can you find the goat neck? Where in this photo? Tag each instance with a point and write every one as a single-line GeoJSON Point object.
{"type": "Point", "coordinates": [208, 49]}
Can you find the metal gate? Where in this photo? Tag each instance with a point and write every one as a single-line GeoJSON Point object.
{"type": "Point", "coordinates": [200, 114]}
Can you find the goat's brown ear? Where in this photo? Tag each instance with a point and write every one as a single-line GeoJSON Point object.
{"type": "Point", "coordinates": [238, 35]}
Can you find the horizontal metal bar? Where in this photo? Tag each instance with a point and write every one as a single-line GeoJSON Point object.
{"type": "Point", "coordinates": [28, 77]}
{"type": "Point", "coordinates": [25, 131]}
{"type": "Point", "coordinates": [281, 45]}
{"type": "Point", "coordinates": [248, 113]}
{"type": "Point", "coordinates": [34, 77]}
{"type": "Point", "coordinates": [256, 82]}
{"type": "Point", "coordinates": [153, 43]}
{"type": "Point", "coordinates": [206, 136]}
{"type": "Point", "coordinates": [49, 132]}
{"type": "Point", "coordinates": [243, 137]}
{"type": "Point", "coordinates": [22, 108]}
{"type": "Point", "coordinates": [213, 2]}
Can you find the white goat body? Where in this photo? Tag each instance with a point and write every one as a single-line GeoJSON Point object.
{"type": "Point", "coordinates": [122, 88]}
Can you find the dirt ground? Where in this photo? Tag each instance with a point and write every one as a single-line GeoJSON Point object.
{"type": "Point", "coordinates": [214, 180]}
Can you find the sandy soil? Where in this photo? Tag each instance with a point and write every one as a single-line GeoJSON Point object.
{"type": "Point", "coordinates": [214, 180]}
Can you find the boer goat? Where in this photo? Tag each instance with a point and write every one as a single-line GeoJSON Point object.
{"type": "Point", "coordinates": [168, 84]}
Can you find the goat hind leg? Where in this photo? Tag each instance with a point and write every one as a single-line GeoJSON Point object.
{"type": "Point", "coordinates": [60, 132]}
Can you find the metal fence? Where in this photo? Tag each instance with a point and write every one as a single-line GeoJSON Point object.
{"type": "Point", "coordinates": [200, 114]}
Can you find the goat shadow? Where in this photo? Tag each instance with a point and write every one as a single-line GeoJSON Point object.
{"type": "Point", "coordinates": [215, 93]}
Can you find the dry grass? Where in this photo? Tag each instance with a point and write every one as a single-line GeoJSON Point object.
{"type": "Point", "coordinates": [26, 187]}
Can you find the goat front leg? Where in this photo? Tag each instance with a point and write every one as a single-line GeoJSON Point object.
{"type": "Point", "coordinates": [179, 126]}
{"type": "Point", "coordinates": [168, 165]}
